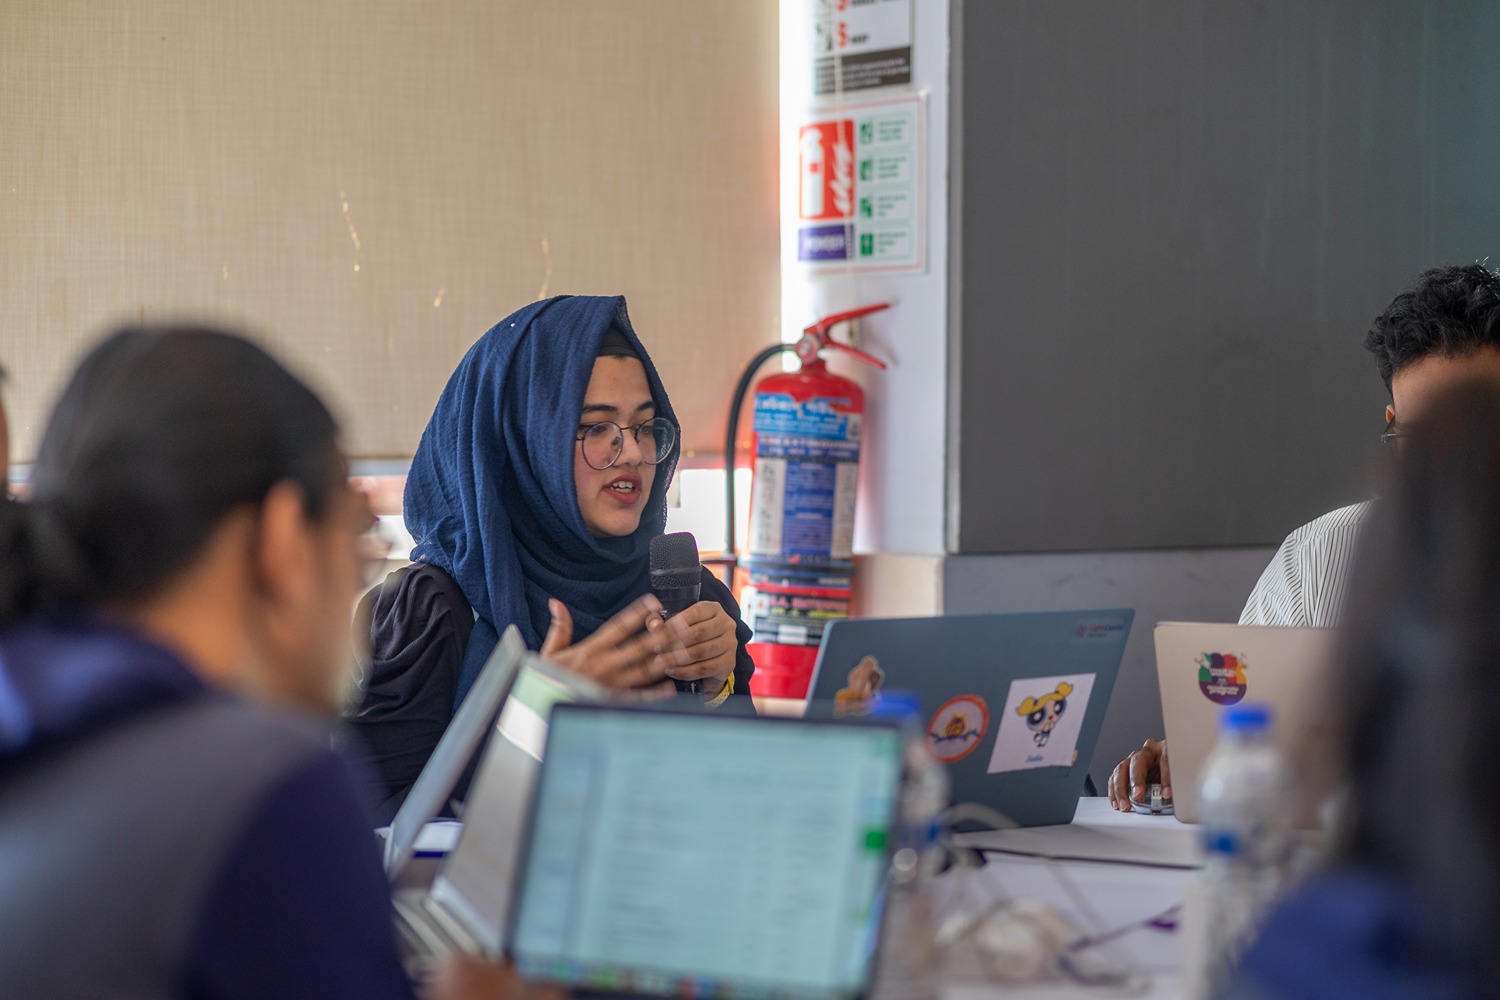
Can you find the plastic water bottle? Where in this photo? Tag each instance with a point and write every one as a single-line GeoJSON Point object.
{"type": "Point", "coordinates": [908, 966]}
{"type": "Point", "coordinates": [1246, 806]}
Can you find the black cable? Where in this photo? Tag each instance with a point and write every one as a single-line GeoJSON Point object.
{"type": "Point", "coordinates": [1013, 852]}
{"type": "Point", "coordinates": [736, 403]}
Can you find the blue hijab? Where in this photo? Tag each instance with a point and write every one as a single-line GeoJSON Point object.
{"type": "Point", "coordinates": [490, 498]}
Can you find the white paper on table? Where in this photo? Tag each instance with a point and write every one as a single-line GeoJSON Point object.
{"type": "Point", "coordinates": [1098, 900]}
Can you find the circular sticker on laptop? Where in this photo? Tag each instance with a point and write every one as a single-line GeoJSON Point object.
{"type": "Point", "coordinates": [1221, 677]}
{"type": "Point", "coordinates": [957, 728]}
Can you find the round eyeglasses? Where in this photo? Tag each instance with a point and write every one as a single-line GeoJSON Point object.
{"type": "Point", "coordinates": [603, 442]}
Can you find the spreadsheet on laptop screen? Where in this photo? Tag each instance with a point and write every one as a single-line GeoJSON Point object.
{"type": "Point", "coordinates": [731, 857]}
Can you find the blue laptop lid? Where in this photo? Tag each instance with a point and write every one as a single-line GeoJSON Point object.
{"type": "Point", "coordinates": [1011, 703]}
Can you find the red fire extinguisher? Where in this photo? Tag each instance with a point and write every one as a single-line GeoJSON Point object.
{"type": "Point", "coordinates": [806, 443]}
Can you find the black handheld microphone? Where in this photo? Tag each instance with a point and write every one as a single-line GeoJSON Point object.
{"type": "Point", "coordinates": [676, 574]}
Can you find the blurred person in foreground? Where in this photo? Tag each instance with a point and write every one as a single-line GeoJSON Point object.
{"type": "Point", "coordinates": [1410, 899]}
{"type": "Point", "coordinates": [174, 609]}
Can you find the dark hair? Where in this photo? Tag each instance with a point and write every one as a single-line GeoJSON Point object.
{"type": "Point", "coordinates": [1415, 690]}
{"type": "Point", "coordinates": [160, 434]}
{"type": "Point", "coordinates": [615, 344]}
{"type": "Point", "coordinates": [1451, 311]}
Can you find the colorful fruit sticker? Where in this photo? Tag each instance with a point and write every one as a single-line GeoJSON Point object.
{"type": "Point", "coordinates": [957, 728]}
{"type": "Point", "coordinates": [1221, 677]}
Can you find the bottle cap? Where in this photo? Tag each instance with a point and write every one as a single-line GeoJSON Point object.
{"type": "Point", "coordinates": [1248, 717]}
{"type": "Point", "coordinates": [897, 705]}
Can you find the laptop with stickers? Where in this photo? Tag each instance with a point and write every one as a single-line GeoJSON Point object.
{"type": "Point", "coordinates": [1012, 703]}
{"type": "Point", "coordinates": [1203, 667]}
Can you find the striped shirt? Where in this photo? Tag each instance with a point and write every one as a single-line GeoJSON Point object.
{"type": "Point", "coordinates": [1306, 581]}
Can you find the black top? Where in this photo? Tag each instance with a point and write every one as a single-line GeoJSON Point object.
{"type": "Point", "coordinates": [419, 625]}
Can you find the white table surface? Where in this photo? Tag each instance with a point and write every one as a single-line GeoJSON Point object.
{"type": "Point", "coordinates": [1111, 892]}
{"type": "Point", "coordinates": [793, 707]}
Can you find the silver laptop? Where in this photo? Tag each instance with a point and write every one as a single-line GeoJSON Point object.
{"type": "Point", "coordinates": [1204, 667]}
{"type": "Point", "coordinates": [454, 750]}
{"type": "Point", "coordinates": [1011, 703]}
{"type": "Point", "coordinates": [468, 904]}
{"type": "Point", "coordinates": [681, 853]}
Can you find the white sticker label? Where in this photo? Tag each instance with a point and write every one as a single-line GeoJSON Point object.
{"type": "Point", "coordinates": [1040, 723]}
{"type": "Point", "coordinates": [768, 506]}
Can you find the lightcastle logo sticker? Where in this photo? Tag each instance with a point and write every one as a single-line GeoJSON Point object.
{"type": "Point", "coordinates": [958, 728]}
{"type": "Point", "coordinates": [1221, 677]}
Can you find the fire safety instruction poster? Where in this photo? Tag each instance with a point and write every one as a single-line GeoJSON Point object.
{"type": "Point", "coordinates": [860, 44]}
{"type": "Point", "coordinates": [859, 188]}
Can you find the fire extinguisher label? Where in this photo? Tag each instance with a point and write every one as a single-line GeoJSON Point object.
{"type": "Point", "coordinates": [806, 475]}
{"type": "Point", "coordinates": [819, 418]}
{"type": "Point", "coordinates": [767, 505]}
{"type": "Point", "coordinates": [790, 619]}
{"type": "Point", "coordinates": [846, 486]}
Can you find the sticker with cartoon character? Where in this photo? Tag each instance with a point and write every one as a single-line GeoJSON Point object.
{"type": "Point", "coordinates": [1221, 677]}
{"type": "Point", "coordinates": [1042, 713]}
{"type": "Point", "coordinates": [1042, 721]}
{"type": "Point", "coordinates": [957, 728]}
{"type": "Point", "coordinates": [862, 691]}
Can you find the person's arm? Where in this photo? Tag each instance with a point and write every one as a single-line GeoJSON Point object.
{"type": "Point", "coordinates": [1277, 598]}
{"type": "Point", "coordinates": [419, 627]}
{"type": "Point", "coordinates": [622, 654]}
{"type": "Point", "coordinates": [744, 666]}
{"type": "Point", "coordinates": [300, 906]}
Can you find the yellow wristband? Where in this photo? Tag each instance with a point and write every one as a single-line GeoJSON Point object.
{"type": "Point", "coordinates": [724, 692]}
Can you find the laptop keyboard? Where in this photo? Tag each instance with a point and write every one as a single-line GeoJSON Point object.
{"type": "Point", "coordinates": [423, 941]}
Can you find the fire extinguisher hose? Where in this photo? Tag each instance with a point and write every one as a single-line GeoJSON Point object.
{"type": "Point", "coordinates": [736, 403]}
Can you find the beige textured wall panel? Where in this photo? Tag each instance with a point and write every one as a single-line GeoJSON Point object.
{"type": "Point", "coordinates": [371, 185]}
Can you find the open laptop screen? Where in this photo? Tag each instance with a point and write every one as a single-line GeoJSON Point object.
{"type": "Point", "coordinates": [452, 754]}
{"type": "Point", "coordinates": [707, 856]}
{"type": "Point", "coordinates": [476, 880]}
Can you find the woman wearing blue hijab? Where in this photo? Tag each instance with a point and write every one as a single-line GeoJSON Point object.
{"type": "Point", "coordinates": [533, 497]}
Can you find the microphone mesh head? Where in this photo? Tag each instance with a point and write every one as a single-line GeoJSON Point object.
{"type": "Point", "coordinates": [674, 560]}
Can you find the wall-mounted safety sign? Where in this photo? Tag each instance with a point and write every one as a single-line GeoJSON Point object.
{"type": "Point", "coordinates": [859, 187]}
{"type": "Point", "coordinates": [860, 44]}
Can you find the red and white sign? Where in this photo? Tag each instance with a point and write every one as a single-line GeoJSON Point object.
{"type": "Point", "coordinates": [825, 168]}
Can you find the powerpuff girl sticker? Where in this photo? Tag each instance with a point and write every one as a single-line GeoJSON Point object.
{"type": "Point", "coordinates": [958, 728]}
{"type": "Point", "coordinates": [1042, 721]}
